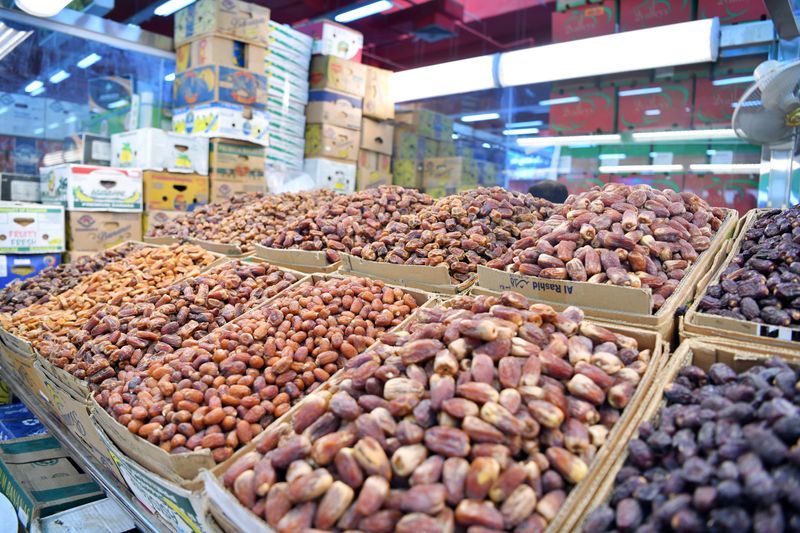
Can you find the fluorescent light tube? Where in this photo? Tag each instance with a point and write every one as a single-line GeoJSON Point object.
{"type": "Point", "coordinates": [685, 43]}
{"type": "Point", "coordinates": [454, 136]}
{"type": "Point", "coordinates": [10, 39]}
{"type": "Point", "coordinates": [733, 81]}
{"type": "Point", "coordinates": [480, 117]}
{"type": "Point", "coordinates": [486, 145]}
{"type": "Point", "coordinates": [559, 101]}
{"type": "Point", "coordinates": [624, 169]}
{"type": "Point", "coordinates": [71, 119]}
{"type": "Point", "coordinates": [571, 140]}
{"type": "Point", "coordinates": [88, 61]}
{"type": "Point", "coordinates": [521, 131]}
{"type": "Point", "coordinates": [32, 86]}
{"type": "Point", "coordinates": [3, 109]}
{"type": "Point", "coordinates": [168, 8]}
{"type": "Point", "coordinates": [38, 131]}
{"type": "Point", "coordinates": [42, 8]}
{"type": "Point", "coordinates": [118, 103]}
{"type": "Point", "coordinates": [652, 112]}
{"type": "Point", "coordinates": [59, 76]}
{"type": "Point", "coordinates": [640, 92]}
{"type": "Point", "coordinates": [366, 10]}
{"type": "Point", "coordinates": [682, 135]}
{"type": "Point", "coordinates": [529, 124]}
{"type": "Point", "coordinates": [603, 157]}
{"type": "Point", "coordinates": [170, 77]}
{"type": "Point", "coordinates": [38, 91]}
{"type": "Point", "coordinates": [454, 77]}
{"type": "Point", "coordinates": [742, 168]}
{"type": "Point", "coordinates": [53, 126]}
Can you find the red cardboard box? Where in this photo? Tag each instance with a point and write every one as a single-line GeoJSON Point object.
{"type": "Point", "coordinates": [732, 11]}
{"type": "Point", "coordinates": [638, 14]}
{"type": "Point", "coordinates": [671, 108]}
{"type": "Point", "coordinates": [594, 113]}
{"type": "Point", "coordinates": [713, 106]}
{"type": "Point", "coordinates": [584, 22]}
{"type": "Point", "coordinates": [738, 192]}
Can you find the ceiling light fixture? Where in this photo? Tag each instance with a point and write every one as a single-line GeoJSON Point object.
{"type": "Point", "coordinates": [453, 77]}
{"type": "Point", "coordinates": [480, 117]}
{"type": "Point", "coordinates": [42, 8]}
{"type": "Point", "coordinates": [59, 76]}
{"type": "Point", "coordinates": [88, 61]}
{"type": "Point", "coordinates": [743, 168]}
{"type": "Point", "coordinates": [486, 145]}
{"type": "Point", "coordinates": [570, 140]}
{"type": "Point", "coordinates": [170, 77]}
{"type": "Point", "coordinates": [529, 124]}
{"type": "Point", "coordinates": [32, 86]}
{"type": "Point", "coordinates": [10, 39]}
{"type": "Point", "coordinates": [641, 92]}
{"type": "Point", "coordinates": [171, 6]}
{"type": "Point", "coordinates": [652, 112]}
{"type": "Point", "coordinates": [521, 131]}
{"type": "Point", "coordinates": [118, 103]}
{"type": "Point", "coordinates": [38, 91]}
{"type": "Point", "coordinates": [683, 135]}
{"type": "Point", "coordinates": [733, 81]}
{"type": "Point", "coordinates": [363, 11]}
{"type": "Point", "coordinates": [627, 169]}
{"type": "Point", "coordinates": [559, 101]}
{"type": "Point", "coordinates": [603, 157]}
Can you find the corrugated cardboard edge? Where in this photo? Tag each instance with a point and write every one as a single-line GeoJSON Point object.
{"type": "Point", "coordinates": [662, 321]}
{"type": "Point", "coordinates": [701, 351]}
{"type": "Point", "coordinates": [234, 517]}
{"type": "Point", "coordinates": [432, 279]}
{"type": "Point", "coordinates": [309, 261]}
{"type": "Point", "coordinates": [187, 466]}
{"type": "Point", "coordinates": [697, 324]}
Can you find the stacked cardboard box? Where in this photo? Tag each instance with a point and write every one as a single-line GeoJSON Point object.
{"type": "Point", "coordinates": [220, 88]}
{"type": "Point", "coordinates": [175, 169]}
{"type": "Point", "coordinates": [287, 63]}
{"type": "Point", "coordinates": [332, 138]}
{"type": "Point", "coordinates": [377, 133]}
{"type": "Point", "coordinates": [103, 204]}
{"type": "Point", "coordinates": [31, 239]}
{"type": "Point", "coordinates": [419, 137]}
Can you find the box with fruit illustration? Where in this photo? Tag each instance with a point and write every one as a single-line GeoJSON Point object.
{"type": "Point", "coordinates": [91, 188]}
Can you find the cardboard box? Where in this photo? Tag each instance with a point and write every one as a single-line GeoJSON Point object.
{"type": "Point", "coordinates": [210, 84]}
{"type": "Point", "coordinates": [14, 267]}
{"type": "Point", "coordinates": [407, 173]}
{"type": "Point", "coordinates": [594, 113]}
{"type": "Point", "coordinates": [235, 19]}
{"type": "Point", "coordinates": [38, 476]}
{"type": "Point", "coordinates": [378, 101]}
{"type": "Point", "coordinates": [234, 160]}
{"type": "Point", "coordinates": [284, 37]}
{"type": "Point", "coordinates": [87, 149]}
{"type": "Point", "coordinates": [92, 188]}
{"type": "Point", "coordinates": [227, 121]}
{"type": "Point", "coordinates": [31, 228]}
{"type": "Point", "coordinates": [174, 192]}
{"type": "Point", "coordinates": [287, 87]}
{"type": "Point", "coordinates": [583, 22]}
{"type": "Point", "coordinates": [286, 149]}
{"type": "Point", "coordinates": [732, 11]}
{"type": "Point", "coordinates": [639, 15]}
{"type": "Point", "coordinates": [97, 230]}
{"type": "Point", "coordinates": [155, 149]}
{"type": "Point", "coordinates": [714, 106]}
{"type": "Point", "coordinates": [20, 188]}
{"type": "Point", "coordinates": [332, 39]}
{"type": "Point", "coordinates": [336, 109]}
{"type": "Point", "coordinates": [442, 175]}
{"type": "Point", "coordinates": [329, 72]}
{"type": "Point", "coordinates": [222, 190]}
{"type": "Point", "coordinates": [339, 176]}
{"type": "Point", "coordinates": [377, 136]}
{"type": "Point", "coordinates": [446, 149]}
{"type": "Point", "coordinates": [156, 217]}
{"type": "Point", "coordinates": [374, 170]}
{"type": "Point", "coordinates": [220, 51]}
{"type": "Point", "coordinates": [669, 109]}
{"type": "Point", "coordinates": [323, 140]}
{"type": "Point", "coordinates": [428, 123]}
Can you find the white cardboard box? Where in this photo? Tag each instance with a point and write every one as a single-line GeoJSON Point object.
{"type": "Point", "coordinates": [156, 149]}
{"type": "Point", "coordinates": [332, 39]}
{"type": "Point", "coordinates": [339, 176]}
{"type": "Point", "coordinates": [31, 228]}
{"type": "Point", "coordinates": [92, 188]}
{"type": "Point", "coordinates": [223, 120]}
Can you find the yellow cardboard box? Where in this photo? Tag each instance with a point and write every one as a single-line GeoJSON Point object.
{"type": "Point", "coordinates": [324, 140]}
{"type": "Point", "coordinates": [169, 191]}
{"type": "Point", "coordinates": [377, 136]}
{"type": "Point", "coordinates": [98, 230]}
{"type": "Point", "coordinates": [378, 102]}
{"type": "Point", "coordinates": [331, 72]}
{"type": "Point", "coordinates": [225, 189]}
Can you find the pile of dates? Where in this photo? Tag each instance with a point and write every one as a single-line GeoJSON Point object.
{"type": "Point", "coordinates": [630, 236]}
{"type": "Point", "coordinates": [762, 282]}
{"type": "Point", "coordinates": [244, 220]}
{"type": "Point", "coordinates": [121, 336]}
{"type": "Point", "coordinates": [221, 391]}
{"type": "Point", "coordinates": [480, 417]}
{"type": "Point", "coordinates": [461, 231]}
{"type": "Point", "coordinates": [349, 222]}
{"type": "Point", "coordinates": [722, 455]}
{"type": "Point", "coordinates": [51, 281]}
{"type": "Point", "coordinates": [47, 326]}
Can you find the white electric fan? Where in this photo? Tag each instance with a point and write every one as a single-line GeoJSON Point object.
{"type": "Point", "coordinates": [769, 111]}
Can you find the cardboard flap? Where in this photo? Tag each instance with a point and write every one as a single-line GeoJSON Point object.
{"type": "Point", "coordinates": [218, 247]}
{"type": "Point", "coordinates": [399, 274]}
{"type": "Point", "coordinates": [600, 296]}
{"type": "Point", "coordinates": [301, 258]}
{"type": "Point", "coordinates": [162, 240]}
{"type": "Point", "coordinates": [17, 344]}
